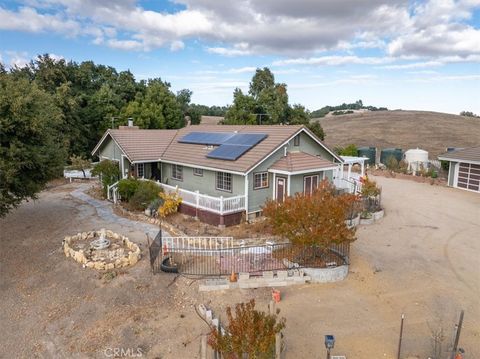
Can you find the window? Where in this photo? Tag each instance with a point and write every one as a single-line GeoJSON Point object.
{"type": "Point", "coordinates": [260, 180]}
{"type": "Point", "coordinates": [310, 183]}
{"type": "Point", "coordinates": [198, 172]}
{"type": "Point", "coordinates": [140, 170]}
{"type": "Point", "coordinates": [296, 140]}
{"type": "Point", "coordinates": [224, 181]}
{"type": "Point", "coordinates": [177, 172]}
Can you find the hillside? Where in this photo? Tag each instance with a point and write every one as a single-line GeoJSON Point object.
{"type": "Point", "coordinates": [431, 131]}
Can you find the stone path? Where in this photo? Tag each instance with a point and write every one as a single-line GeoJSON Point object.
{"type": "Point", "coordinates": [105, 211]}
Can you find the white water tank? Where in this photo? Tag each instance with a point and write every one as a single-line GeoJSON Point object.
{"type": "Point", "coordinates": [416, 158]}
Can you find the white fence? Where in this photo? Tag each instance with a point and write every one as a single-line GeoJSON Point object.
{"type": "Point", "coordinates": [197, 242]}
{"type": "Point", "coordinates": [350, 184]}
{"type": "Point", "coordinates": [220, 205]}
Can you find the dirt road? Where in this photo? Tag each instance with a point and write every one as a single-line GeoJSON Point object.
{"type": "Point", "coordinates": [422, 259]}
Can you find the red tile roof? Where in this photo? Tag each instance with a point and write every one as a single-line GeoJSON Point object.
{"type": "Point", "coordinates": [300, 161]}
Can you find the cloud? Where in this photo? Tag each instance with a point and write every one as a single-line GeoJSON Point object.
{"type": "Point", "coordinates": [333, 61]}
{"type": "Point", "coordinates": [177, 45]}
{"type": "Point", "coordinates": [300, 29]}
{"type": "Point", "coordinates": [17, 58]}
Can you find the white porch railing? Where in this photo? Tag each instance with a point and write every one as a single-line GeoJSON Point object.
{"type": "Point", "coordinates": [221, 205]}
{"type": "Point", "coordinates": [351, 184]}
{"type": "Point", "coordinates": [112, 192]}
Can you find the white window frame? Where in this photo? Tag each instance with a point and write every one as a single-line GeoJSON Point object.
{"type": "Point", "coordinates": [262, 183]}
{"type": "Point", "coordinates": [311, 183]}
{"type": "Point", "coordinates": [198, 172]}
{"type": "Point", "coordinates": [226, 180]}
{"type": "Point", "coordinates": [141, 173]}
{"type": "Point", "coordinates": [177, 172]}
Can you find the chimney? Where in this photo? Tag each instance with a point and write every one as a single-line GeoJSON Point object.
{"type": "Point", "coordinates": [130, 125]}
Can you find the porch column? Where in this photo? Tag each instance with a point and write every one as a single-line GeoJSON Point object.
{"type": "Point", "coordinates": [274, 185]}
{"type": "Point", "coordinates": [349, 170]}
{"type": "Point", "coordinates": [288, 187]}
{"type": "Point", "coordinates": [362, 165]}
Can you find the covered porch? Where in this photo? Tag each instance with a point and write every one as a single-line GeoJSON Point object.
{"type": "Point", "coordinates": [299, 172]}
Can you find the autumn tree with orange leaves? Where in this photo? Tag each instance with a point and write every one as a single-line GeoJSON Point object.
{"type": "Point", "coordinates": [250, 333]}
{"type": "Point", "coordinates": [313, 220]}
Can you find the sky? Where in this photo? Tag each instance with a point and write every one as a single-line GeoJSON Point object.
{"type": "Point", "coordinates": [416, 55]}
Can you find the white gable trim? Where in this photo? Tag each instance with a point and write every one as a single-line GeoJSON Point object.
{"type": "Point", "coordinates": [107, 133]}
{"type": "Point", "coordinates": [303, 129]}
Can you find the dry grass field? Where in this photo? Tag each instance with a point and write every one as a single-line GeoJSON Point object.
{"type": "Point", "coordinates": [431, 131]}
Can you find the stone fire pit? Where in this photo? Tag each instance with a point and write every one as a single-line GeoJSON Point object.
{"type": "Point", "coordinates": [101, 250]}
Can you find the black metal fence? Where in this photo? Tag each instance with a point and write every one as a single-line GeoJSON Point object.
{"type": "Point", "coordinates": [246, 259]}
{"type": "Point", "coordinates": [154, 251]}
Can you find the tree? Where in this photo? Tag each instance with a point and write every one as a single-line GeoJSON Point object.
{"type": "Point", "coordinates": [32, 149]}
{"type": "Point", "coordinates": [263, 80]}
{"type": "Point", "coordinates": [242, 110]}
{"type": "Point", "coordinates": [80, 164]}
{"type": "Point", "coordinates": [313, 220]}
{"type": "Point", "coordinates": [249, 332]}
{"type": "Point", "coordinates": [183, 98]}
{"type": "Point", "coordinates": [317, 129]}
{"type": "Point", "coordinates": [109, 173]}
{"type": "Point", "coordinates": [350, 150]}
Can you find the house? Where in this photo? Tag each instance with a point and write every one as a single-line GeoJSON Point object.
{"type": "Point", "coordinates": [464, 170]}
{"type": "Point", "coordinates": [223, 173]}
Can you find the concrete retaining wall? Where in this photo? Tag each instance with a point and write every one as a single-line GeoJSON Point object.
{"type": "Point", "coordinates": [326, 275]}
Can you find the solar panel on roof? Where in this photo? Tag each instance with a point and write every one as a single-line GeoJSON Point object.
{"type": "Point", "coordinates": [228, 152]}
{"type": "Point", "coordinates": [206, 138]}
{"type": "Point", "coordinates": [231, 145]}
{"type": "Point", "coordinates": [250, 139]}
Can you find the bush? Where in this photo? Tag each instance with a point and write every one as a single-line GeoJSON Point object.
{"type": "Point", "coordinates": [313, 220]}
{"type": "Point", "coordinates": [350, 150]}
{"type": "Point", "coordinates": [109, 173]}
{"type": "Point", "coordinates": [392, 163]}
{"type": "Point", "coordinates": [145, 193]}
{"type": "Point", "coordinates": [127, 188]}
{"type": "Point", "coordinates": [170, 203]}
{"type": "Point", "coordinates": [370, 188]}
{"type": "Point", "coordinates": [250, 333]}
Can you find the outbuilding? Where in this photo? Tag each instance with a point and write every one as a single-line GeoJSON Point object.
{"type": "Point", "coordinates": [464, 170]}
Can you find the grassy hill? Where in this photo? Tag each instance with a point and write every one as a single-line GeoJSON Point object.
{"type": "Point", "coordinates": [431, 131]}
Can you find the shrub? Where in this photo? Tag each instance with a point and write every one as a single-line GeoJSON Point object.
{"type": "Point", "coordinates": [392, 163]}
{"type": "Point", "coordinates": [315, 220]}
{"type": "Point", "coordinates": [145, 193]}
{"type": "Point", "coordinates": [350, 150]}
{"type": "Point", "coordinates": [108, 171]}
{"type": "Point", "coordinates": [80, 164]}
{"type": "Point", "coordinates": [170, 203]}
{"type": "Point", "coordinates": [370, 188]}
{"type": "Point", "coordinates": [403, 166]}
{"type": "Point", "coordinates": [250, 333]}
{"type": "Point", "coordinates": [127, 188]}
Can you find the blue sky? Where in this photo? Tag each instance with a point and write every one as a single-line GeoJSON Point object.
{"type": "Point", "coordinates": [422, 55]}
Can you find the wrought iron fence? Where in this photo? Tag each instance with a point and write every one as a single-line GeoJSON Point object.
{"type": "Point", "coordinates": [246, 259]}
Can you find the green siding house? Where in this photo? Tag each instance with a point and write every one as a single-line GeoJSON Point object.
{"type": "Point", "coordinates": [223, 190]}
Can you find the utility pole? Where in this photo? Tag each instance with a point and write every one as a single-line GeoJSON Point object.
{"type": "Point", "coordinates": [457, 335]}
{"type": "Point", "coordinates": [401, 336]}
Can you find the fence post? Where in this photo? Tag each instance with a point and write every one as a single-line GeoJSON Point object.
{"type": "Point", "coordinates": [221, 204]}
{"type": "Point", "coordinates": [278, 345]}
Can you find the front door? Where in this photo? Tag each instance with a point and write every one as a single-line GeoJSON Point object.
{"type": "Point", "coordinates": [281, 189]}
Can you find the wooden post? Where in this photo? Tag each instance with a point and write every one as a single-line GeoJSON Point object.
{"type": "Point", "coordinates": [278, 345]}
{"type": "Point", "coordinates": [203, 347]}
{"type": "Point", "coordinates": [457, 335]}
{"type": "Point", "coordinates": [401, 335]}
